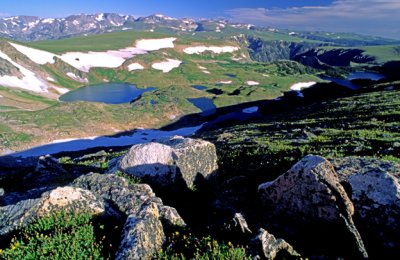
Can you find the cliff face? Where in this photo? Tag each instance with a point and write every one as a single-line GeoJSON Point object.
{"type": "Point", "coordinates": [268, 51]}
{"type": "Point", "coordinates": [306, 53]}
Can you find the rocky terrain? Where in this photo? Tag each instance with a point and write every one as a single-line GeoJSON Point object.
{"type": "Point", "coordinates": [234, 197]}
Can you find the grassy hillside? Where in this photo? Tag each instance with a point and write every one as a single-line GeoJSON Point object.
{"type": "Point", "coordinates": [366, 124]}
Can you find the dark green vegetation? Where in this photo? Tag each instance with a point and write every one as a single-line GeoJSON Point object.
{"type": "Point", "coordinates": [364, 124]}
{"type": "Point", "coordinates": [60, 236]}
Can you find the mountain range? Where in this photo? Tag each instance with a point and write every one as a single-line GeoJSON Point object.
{"type": "Point", "coordinates": [33, 28]}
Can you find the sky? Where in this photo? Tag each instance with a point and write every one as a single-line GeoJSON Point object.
{"type": "Point", "coordinates": [372, 17]}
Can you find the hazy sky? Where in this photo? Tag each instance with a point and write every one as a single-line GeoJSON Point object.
{"type": "Point", "coordinates": [376, 17]}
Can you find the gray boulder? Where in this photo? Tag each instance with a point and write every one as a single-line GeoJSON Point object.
{"type": "Point", "coordinates": [312, 199]}
{"type": "Point", "coordinates": [375, 192]}
{"type": "Point", "coordinates": [143, 233]}
{"type": "Point", "coordinates": [266, 246]}
{"type": "Point", "coordinates": [69, 199]}
{"type": "Point", "coordinates": [49, 165]}
{"type": "Point", "coordinates": [171, 162]}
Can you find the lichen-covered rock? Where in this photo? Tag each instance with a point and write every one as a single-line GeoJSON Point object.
{"type": "Point", "coordinates": [171, 162]}
{"type": "Point", "coordinates": [237, 225]}
{"type": "Point", "coordinates": [127, 198]}
{"type": "Point", "coordinates": [68, 199]}
{"type": "Point", "coordinates": [266, 246]}
{"type": "Point", "coordinates": [143, 234]}
{"type": "Point", "coordinates": [310, 195]}
{"type": "Point", "coordinates": [375, 192]}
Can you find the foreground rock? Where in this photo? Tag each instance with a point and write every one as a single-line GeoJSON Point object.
{"type": "Point", "coordinates": [266, 246]}
{"type": "Point", "coordinates": [107, 196]}
{"type": "Point", "coordinates": [312, 205]}
{"type": "Point", "coordinates": [375, 192]}
{"type": "Point", "coordinates": [143, 232]}
{"type": "Point", "coordinates": [69, 199]}
{"type": "Point", "coordinates": [176, 162]}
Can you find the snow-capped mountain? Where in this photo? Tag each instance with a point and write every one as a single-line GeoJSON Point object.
{"type": "Point", "coordinates": [32, 28]}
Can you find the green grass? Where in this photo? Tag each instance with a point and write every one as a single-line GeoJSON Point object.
{"type": "Point", "coordinates": [59, 236]}
{"type": "Point", "coordinates": [184, 245]}
{"type": "Point", "coordinates": [361, 125]}
{"type": "Point", "coordinates": [382, 53]}
{"type": "Point", "coordinates": [103, 42]}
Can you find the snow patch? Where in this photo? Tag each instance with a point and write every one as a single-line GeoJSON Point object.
{"type": "Point", "coordinates": [29, 81]}
{"type": "Point", "coordinates": [105, 141]}
{"type": "Point", "coordinates": [61, 90]}
{"type": "Point", "coordinates": [252, 83]}
{"type": "Point", "coordinates": [206, 72]}
{"type": "Point", "coordinates": [166, 66]}
{"type": "Point", "coordinates": [135, 66]}
{"type": "Point", "coordinates": [51, 79]}
{"type": "Point", "coordinates": [299, 86]}
{"type": "Point", "coordinates": [100, 17]}
{"type": "Point", "coordinates": [155, 44]}
{"type": "Point", "coordinates": [226, 82]}
{"type": "Point", "coordinates": [215, 49]}
{"type": "Point", "coordinates": [37, 56]}
{"type": "Point", "coordinates": [48, 20]}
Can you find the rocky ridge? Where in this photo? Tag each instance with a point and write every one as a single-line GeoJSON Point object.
{"type": "Point", "coordinates": [293, 213]}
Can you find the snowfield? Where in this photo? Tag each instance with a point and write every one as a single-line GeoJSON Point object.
{"type": "Point", "coordinates": [84, 61]}
{"type": "Point", "coordinates": [155, 44]}
{"type": "Point", "coordinates": [215, 49]}
{"type": "Point", "coordinates": [61, 90]}
{"type": "Point", "coordinates": [167, 66]}
{"type": "Point", "coordinates": [135, 66]}
{"type": "Point", "coordinates": [252, 83]}
{"type": "Point", "coordinates": [226, 82]}
{"type": "Point", "coordinates": [29, 81]}
{"type": "Point", "coordinates": [299, 86]}
{"type": "Point", "coordinates": [37, 56]}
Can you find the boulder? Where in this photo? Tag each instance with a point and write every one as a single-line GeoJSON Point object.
{"type": "Point", "coordinates": [147, 217]}
{"type": "Point", "coordinates": [375, 191]}
{"type": "Point", "coordinates": [143, 234]}
{"type": "Point", "coordinates": [69, 199]}
{"type": "Point", "coordinates": [237, 225]}
{"type": "Point", "coordinates": [266, 246]}
{"type": "Point", "coordinates": [316, 207]}
{"type": "Point", "coordinates": [49, 165]}
{"type": "Point", "coordinates": [176, 162]}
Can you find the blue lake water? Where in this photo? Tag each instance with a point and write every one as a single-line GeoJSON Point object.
{"type": "Point", "coordinates": [354, 75]}
{"type": "Point", "coordinates": [199, 87]}
{"type": "Point", "coordinates": [205, 104]}
{"type": "Point", "coordinates": [110, 93]}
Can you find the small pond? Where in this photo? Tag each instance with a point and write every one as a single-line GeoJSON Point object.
{"type": "Point", "coordinates": [354, 75]}
{"type": "Point", "coordinates": [199, 87]}
{"type": "Point", "coordinates": [205, 104]}
{"type": "Point", "coordinates": [110, 93]}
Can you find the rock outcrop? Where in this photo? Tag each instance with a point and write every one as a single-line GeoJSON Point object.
{"type": "Point", "coordinates": [267, 246]}
{"type": "Point", "coordinates": [375, 191]}
{"type": "Point", "coordinates": [143, 232]}
{"type": "Point", "coordinates": [69, 199]}
{"type": "Point", "coordinates": [310, 198]}
{"type": "Point", "coordinates": [171, 163]}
